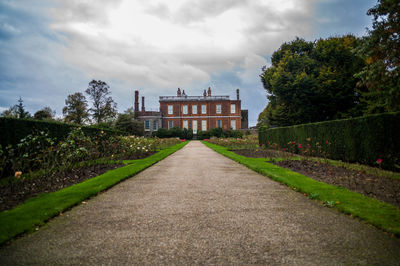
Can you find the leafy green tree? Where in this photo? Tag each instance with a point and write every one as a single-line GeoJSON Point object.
{"type": "Point", "coordinates": [311, 81]}
{"type": "Point", "coordinates": [75, 109]}
{"type": "Point", "coordinates": [21, 109]}
{"type": "Point", "coordinates": [104, 108]}
{"type": "Point", "coordinates": [381, 50]}
{"type": "Point", "coordinates": [127, 122]}
{"type": "Point", "coordinates": [45, 113]}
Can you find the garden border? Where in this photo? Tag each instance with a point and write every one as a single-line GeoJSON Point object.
{"type": "Point", "coordinates": [38, 210]}
{"type": "Point", "coordinates": [380, 214]}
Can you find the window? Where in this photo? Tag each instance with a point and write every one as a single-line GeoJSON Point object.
{"type": "Point", "coordinates": [147, 124]}
{"type": "Point", "coordinates": [155, 125]}
{"type": "Point", "coordinates": [233, 124]}
{"type": "Point", "coordinates": [203, 109]}
{"type": "Point", "coordinates": [195, 126]}
{"type": "Point", "coordinates": [170, 109]}
{"type": "Point", "coordinates": [219, 123]}
{"type": "Point", "coordinates": [204, 125]}
{"type": "Point", "coordinates": [194, 109]}
{"type": "Point", "coordinates": [233, 108]}
{"type": "Point", "coordinates": [170, 124]}
{"type": "Point", "coordinates": [185, 109]}
{"type": "Point", "coordinates": [218, 108]}
{"type": "Point", "coordinates": [185, 124]}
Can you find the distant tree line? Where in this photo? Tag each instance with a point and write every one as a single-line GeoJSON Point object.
{"type": "Point", "coordinates": [337, 77]}
{"type": "Point", "coordinates": [102, 112]}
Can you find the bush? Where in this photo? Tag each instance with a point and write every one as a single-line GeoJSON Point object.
{"type": "Point", "coordinates": [174, 132]}
{"type": "Point", "coordinates": [13, 130]}
{"type": "Point", "coordinates": [219, 133]}
{"type": "Point", "coordinates": [363, 139]}
{"type": "Point", "coordinates": [127, 123]}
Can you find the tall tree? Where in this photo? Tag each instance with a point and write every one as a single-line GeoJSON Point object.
{"type": "Point", "coordinates": [75, 109]}
{"type": "Point", "coordinates": [10, 112]}
{"type": "Point", "coordinates": [104, 108]}
{"type": "Point", "coordinates": [21, 109]}
{"type": "Point", "coordinates": [127, 122]}
{"type": "Point", "coordinates": [381, 50]}
{"type": "Point", "coordinates": [311, 81]}
{"type": "Point", "coordinates": [45, 113]}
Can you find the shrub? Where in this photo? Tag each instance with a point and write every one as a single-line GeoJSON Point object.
{"type": "Point", "coordinates": [13, 130]}
{"type": "Point", "coordinates": [363, 139]}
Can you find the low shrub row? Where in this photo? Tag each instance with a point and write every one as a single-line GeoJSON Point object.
{"type": "Point", "coordinates": [219, 133]}
{"type": "Point", "coordinates": [13, 130]}
{"type": "Point", "coordinates": [174, 132]}
{"type": "Point", "coordinates": [371, 140]}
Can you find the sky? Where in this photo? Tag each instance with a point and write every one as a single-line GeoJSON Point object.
{"type": "Point", "coordinates": [52, 48]}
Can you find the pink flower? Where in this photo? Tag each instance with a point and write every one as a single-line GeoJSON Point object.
{"type": "Point", "coordinates": [326, 142]}
{"type": "Point", "coordinates": [299, 146]}
{"type": "Point", "coordinates": [379, 161]}
{"type": "Point", "coordinates": [283, 149]}
{"type": "Point", "coordinates": [260, 144]}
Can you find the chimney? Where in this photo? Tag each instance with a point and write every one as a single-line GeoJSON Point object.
{"type": "Point", "coordinates": [209, 91]}
{"type": "Point", "coordinates": [143, 109]}
{"type": "Point", "coordinates": [178, 93]}
{"type": "Point", "coordinates": [183, 93]}
{"type": "Point", "coordinates": [237, 94]}
{"type": "Point", "coordinates": [136, 101]}
{"type": "Point", "coordinates": [204, 93]}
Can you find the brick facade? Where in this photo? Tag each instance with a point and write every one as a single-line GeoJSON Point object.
{"type": "Point", "coordinates": [200, 112]}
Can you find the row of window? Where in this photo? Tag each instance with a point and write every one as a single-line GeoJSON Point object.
{"type": "Point", "coordinates": [203, 109]}
{"type": "Point", "coordinates": [203, 124]}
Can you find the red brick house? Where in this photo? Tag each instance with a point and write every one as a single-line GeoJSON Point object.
{"type": "Point", "coordinates": [201, 112]}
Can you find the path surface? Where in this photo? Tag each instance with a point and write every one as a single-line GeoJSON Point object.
{"type": "Point", "coordinates": [198, 207]}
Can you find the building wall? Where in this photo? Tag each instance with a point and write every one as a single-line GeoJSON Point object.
{"type": "Point", "coordinates": [211, 116]}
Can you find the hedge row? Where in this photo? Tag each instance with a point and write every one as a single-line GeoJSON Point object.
{"type": "Point", "coordinates": [13, 129]}
{"type": "Point", "coordinates": [363, 139]}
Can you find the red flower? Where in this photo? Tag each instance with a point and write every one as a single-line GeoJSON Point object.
{"type": "Point", "coordinates": [379, 161]}
{"type": "Point", "coordinates": [299, 146]}
{"type": "Point", "coordinates": [267, 142]}
{"type": "Point", "coordinates": [260, 144]}
{"type": "Point", "coordinates": [293, 142]}
{"type": "Point", "coordinates": [283, 149]}
{"type": "Point", "coordinates": [326, 142]}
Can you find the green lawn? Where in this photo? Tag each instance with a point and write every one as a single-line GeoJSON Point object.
{"type": "Point", "coordinates": [375, 212]}
{"type": "Point", "coordinates": [36, 211]}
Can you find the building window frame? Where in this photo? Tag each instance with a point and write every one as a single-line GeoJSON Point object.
{"type": "Point", "coordinates": [204, 125]}
{"type": "Point", "coordinates": [194, 109]}
{"type": "Point", "coordinates": [185, 109]}
{"type": "Point", "coordinates": [218, 108]}
{"type": "Point", "coordinates": [219, 123]}
{"type": "Point", "coordinates": [147, 124]}
{"type": "Point", "coordinates": [154, 125]}
{"type": "Point", "coordinates": [233, 108]}
{"type": "Point", "coordinates": [185, 124]}
{"type": "Point", "coordinates": [170, 124]}
{"type": "Point", "coordinates": [233, 124]}
{"type": "Point", "coordinates": [170, 109]}
{"type": "Point", "coordinates": [204, 109]}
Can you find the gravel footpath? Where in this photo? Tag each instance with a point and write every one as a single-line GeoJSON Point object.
{"type": "Point", "coordinates": [198, 207]}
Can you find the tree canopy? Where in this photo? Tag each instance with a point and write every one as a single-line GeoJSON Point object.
{"type": "Point", "coordinates": [45, 113]}
{"type": "Point", "coordinates": [312, 81]}
{"type": "Point", "coordinates": [75, 109]}
{"type": "Point", "coordinates": [103, 106]}
{"type": "Point", "coordinates": [381, 51]}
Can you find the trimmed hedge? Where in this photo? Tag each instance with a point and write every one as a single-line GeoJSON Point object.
{"type": "Point", "coordinates": [14, 129]}
{"type": "Point", "coordinates": [363, 139]}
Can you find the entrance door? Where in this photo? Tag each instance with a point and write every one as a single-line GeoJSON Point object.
{"type": "Point", "coordinates": [194, 126]}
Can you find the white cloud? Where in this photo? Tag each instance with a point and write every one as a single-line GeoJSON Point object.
{"type": "Point", "coordinates": [176, 43]}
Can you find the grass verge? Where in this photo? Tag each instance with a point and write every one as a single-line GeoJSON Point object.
{"type": "Point", "coordinates": [36, 211]}
{"type": "Point", "coordinates": [380, 214]}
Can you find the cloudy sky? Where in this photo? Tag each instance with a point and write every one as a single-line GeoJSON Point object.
{"type": "Point", "coordinates": [50, 49]}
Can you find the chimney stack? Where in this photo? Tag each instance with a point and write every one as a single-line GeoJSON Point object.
{"type": "Point", "coordinates": [136, 101]}
{"type": "Point", "coordinates": [209, 91]}
{"type": "Point", "coordinates": [178, 93]}
{"type": "Point", "coordinates": [143, 109]}
{"type": "Point", "coordinates": [237, 94]}
{"type": "Point", "coordinates": [204, 93]}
